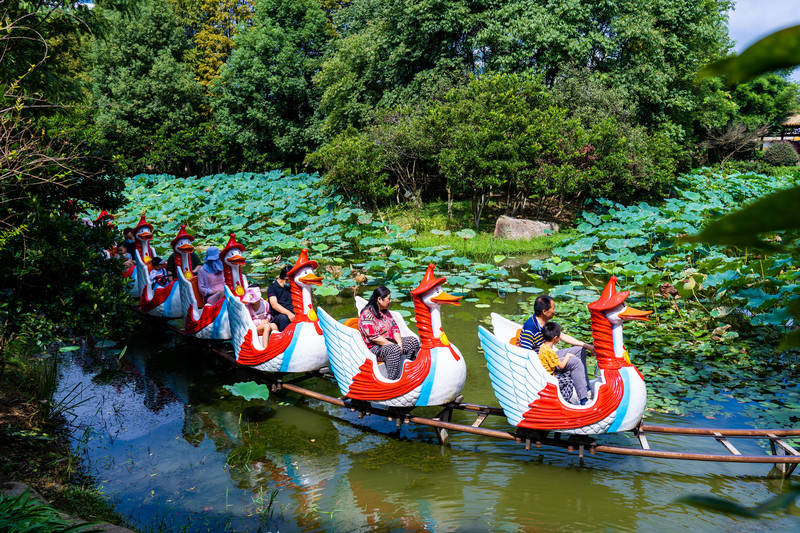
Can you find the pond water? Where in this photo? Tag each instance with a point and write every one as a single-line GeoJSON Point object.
{"type": "Point", "coordinates": [174, 451]}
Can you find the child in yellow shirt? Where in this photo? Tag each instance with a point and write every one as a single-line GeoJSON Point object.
{"type": "Point", "coordinates": [568, 366]}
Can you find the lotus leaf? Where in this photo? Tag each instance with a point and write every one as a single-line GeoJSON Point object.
{"type": "Point", "coordinates": [249, 390]}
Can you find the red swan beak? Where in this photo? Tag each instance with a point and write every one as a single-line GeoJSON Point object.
{"type": "Point", "coordinates": [146, 235]}
{"type": "Point", "coordinates": [186, 248]}
{"type": "Point", "coordinates": [237, 260]}
{"type": "Point", "coordinates": [311, 279]}
{"type": "Point", "coordinates": [629, 313]}
{"type": "Point", "coordinates": [445, 298]}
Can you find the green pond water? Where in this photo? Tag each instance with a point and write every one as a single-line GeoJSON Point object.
{"type": "Point", "coordinates": [173, 450]}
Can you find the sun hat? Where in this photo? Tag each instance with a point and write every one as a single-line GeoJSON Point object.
{"type": "Point", "coordinates": [252, 295]}
{"type": "Point", "coordinates": [212, 254]}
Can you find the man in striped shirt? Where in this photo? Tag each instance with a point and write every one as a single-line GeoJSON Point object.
{"type": "Point", "coordinates": [544, 309]}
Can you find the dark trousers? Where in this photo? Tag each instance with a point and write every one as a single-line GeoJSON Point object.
{"type": "Point", "coordinates": [394, 356]}
{"type": "Point", "coordinates": [280, 320]}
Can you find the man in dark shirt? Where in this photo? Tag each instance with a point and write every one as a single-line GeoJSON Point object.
{"type": "Point", "coordinates": [279, 294]}
{"type": "Point", "coordinates": [531, 338]}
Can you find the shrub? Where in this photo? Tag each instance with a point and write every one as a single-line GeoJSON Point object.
{"type": "Point", "coordinates": [353, 164]}
{"type": "Point", "coordinates": [781, 154]}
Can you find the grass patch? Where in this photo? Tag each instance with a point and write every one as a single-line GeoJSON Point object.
{"type": "Point", "coordinates": [482, 247]}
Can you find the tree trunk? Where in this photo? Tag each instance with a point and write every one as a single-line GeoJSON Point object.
{"type": "Point", "coordinates": [478, 201]}
{"type": "Point", "coordinates": [449, 203]}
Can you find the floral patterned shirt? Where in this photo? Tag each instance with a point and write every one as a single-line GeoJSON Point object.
{"type": "Point", "coordinates": [371, 326]}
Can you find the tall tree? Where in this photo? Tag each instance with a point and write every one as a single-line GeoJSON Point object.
{"type": "Point", "coordinates": [264, 99]}
{"type": "Point", "coordinates": [212, 24]}
{"type": "Point", "coordinates": [148, 103]}
{"type": "Point", "coordinates": [395, 52]}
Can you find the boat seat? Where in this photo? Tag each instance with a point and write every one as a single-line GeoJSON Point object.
{"type": "Point", "coordinates": [351, 323]}
{"type": "Point", "coordinates": [196, 290]}
{"type": "Point", "coordinates": [515, 339]}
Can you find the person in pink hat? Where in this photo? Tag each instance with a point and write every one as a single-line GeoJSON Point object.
{"type": "Point", "coordinates": [259, 312]}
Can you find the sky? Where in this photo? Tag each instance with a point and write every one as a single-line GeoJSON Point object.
{"type": "Point", "coordinates": [750, 20]}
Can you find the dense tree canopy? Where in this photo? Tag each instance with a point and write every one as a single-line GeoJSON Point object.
{"type": "Point", "coordinates": [265, 99]}
{"type": "Point", "coordinates": [191, 86]}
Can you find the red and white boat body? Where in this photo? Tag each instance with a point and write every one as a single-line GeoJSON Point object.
{"type": "Point", "coordinates": [143, 234]}
{"type": "Point", "coordinates": [163, 302]}
{"type": "Point", "coordinates": [435, 377]}
{"type": "Point", "coordinates": [298, 348]}
{"type": "Point", "coordinates": [212, 321]}
{"type": "Point", "coordinates": [530, 396]}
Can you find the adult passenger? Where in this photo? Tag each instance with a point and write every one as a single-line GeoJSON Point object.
{"type": "Point", "coordinates": [279, 294]}
{"type": "Point", "coordinates": [544, 309]}
{"type": "Point", "coordinates": [211, 278]}
{"type": "Point", "coordinates": [382, 336]}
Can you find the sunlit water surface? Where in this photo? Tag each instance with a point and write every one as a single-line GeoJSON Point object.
{"type": "Point", "coordinates": [174, 451]}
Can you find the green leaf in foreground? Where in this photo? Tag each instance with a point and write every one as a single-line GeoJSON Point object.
{"type": "Point", "coordinates": [712, 503]}
{"type": "Point", "coordinates": [249, 390]}
{"type": "Point", "coordinates": [776, 51]}
{"type": "Point", "coordinates": [775, 212]}
{"type": "Point", "coordinates": [68, 348]}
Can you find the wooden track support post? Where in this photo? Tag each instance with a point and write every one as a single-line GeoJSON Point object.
{"type": "Point", "coordinates": [444, 415]}
{"type": "Point", "coordinates": [776, 444]}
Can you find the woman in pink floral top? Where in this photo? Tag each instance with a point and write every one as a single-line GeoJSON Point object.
{"type": "Point", "coordinates": [382, 336]}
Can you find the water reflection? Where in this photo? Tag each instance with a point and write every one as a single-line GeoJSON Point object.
{"type": "Point", "coordinates": [174, 450]}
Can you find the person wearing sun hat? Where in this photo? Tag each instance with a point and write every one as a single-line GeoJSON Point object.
{"type": "Point", "coordinates": [211, 278]}
{"type": "Point", "coordinates": [259, 312]}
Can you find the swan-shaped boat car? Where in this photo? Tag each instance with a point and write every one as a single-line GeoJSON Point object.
{"type": "Point", "coordinates": [298, 348]}
{"type": "Point", "coordinates": [166, 302]}
{"type": "Point", "coordinates": [206, 321]}
{"type": "Point", "coordinates": [530, 396]}
{"type": "Point", "coordinates": [435, 377]}
{"type": "Point", "coordinates": [143, 234]}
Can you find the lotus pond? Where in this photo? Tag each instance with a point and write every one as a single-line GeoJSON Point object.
{"type": "Point", "coordinates": [719, 313]}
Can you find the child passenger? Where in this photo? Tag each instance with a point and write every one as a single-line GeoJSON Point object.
{"type": "Point", "coordinates": [158, 274]}
{"type": "Point", "coordinates": [259, 312]}
{"type": "Point", "coordinates": [569, 366]}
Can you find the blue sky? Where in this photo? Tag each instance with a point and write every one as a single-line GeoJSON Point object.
{"type": "Point", "coordinates": [750, 20]}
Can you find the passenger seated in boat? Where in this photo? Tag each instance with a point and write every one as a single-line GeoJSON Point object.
{"type": "Point", "coordinates": [158, 274]}
{"type": "Point", "coordinates": [122, 253]}
{"type": "Point", "coordinates": [259, 312]}
{"type": "Point", "coordinates": [544, 309]}
{"type": "Point", "coordinates": [128, 241]}
{"type": "Point", "coordinates": [567, 369]}
{"type": "Point", "coordinates": [382, 336]}
{"type": "Point", "coordinates": [279, 294]}
{"type": "Point", "coordinates": [211, 278]}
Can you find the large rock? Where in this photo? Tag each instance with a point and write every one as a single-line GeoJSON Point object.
{"type": "Point", "coordinates": [521, 228]}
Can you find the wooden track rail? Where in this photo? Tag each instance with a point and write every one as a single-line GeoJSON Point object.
{"type": "Point", "coordinates": [785, 457]}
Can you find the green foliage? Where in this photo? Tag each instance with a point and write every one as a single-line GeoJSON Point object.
{"type": "Point", "coordinates": [23, 514]}
{"type": "Point", "coordinates": [213, 25]}
{"type": "Point", "coordinates": [56, 276]}
{"type": "Point", "coordinates": [781, 154]}
{"type": "Point", "coordinates": [265, 100]}
{"type": "Point", "coordinates": [506, 132]}
{"type": "Point", "coordinates": [776, 51]}
{"type": "Point", "coordinates": [354, 165]}
{"type": "Point", "coordinates": [148, 103]}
